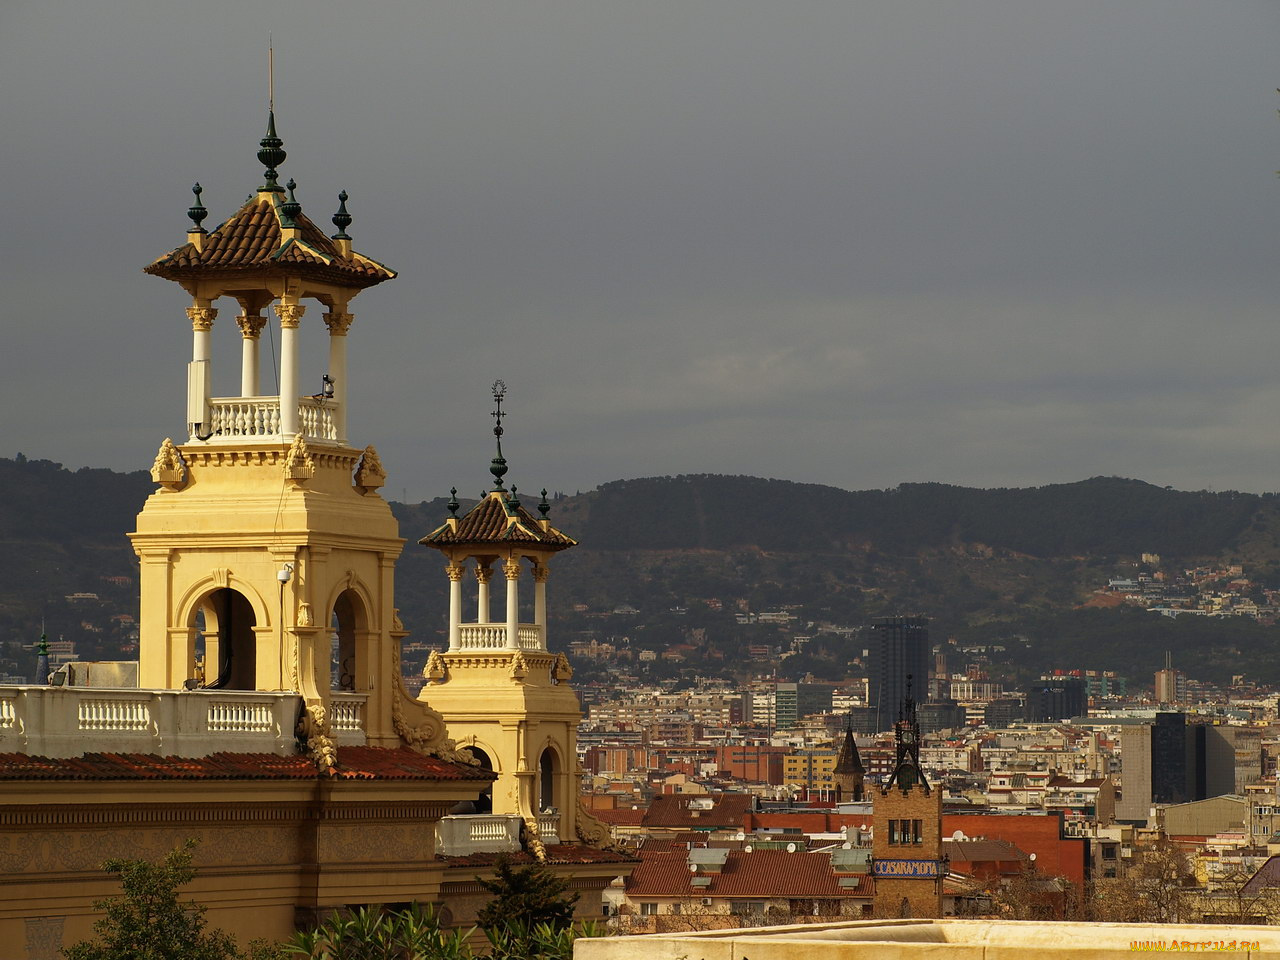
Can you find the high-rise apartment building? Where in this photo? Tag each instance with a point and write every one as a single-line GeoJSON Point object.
{"type": "Point", "coordinates": [899, 649]}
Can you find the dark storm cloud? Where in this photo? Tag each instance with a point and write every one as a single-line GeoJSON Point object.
{"type": "Point", "coordinates": [992, 243]}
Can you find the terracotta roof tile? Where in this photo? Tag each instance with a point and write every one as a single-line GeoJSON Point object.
{"type": "Point", "coordinates": [672, 810]}
{"type": "Point", "coordinates": [761, 873]}
{"type": "Point", "coordinates": [488, 522]}
{"type": "Point", "coordinates": [354, 763]}
{"type": "Point", "coordinates": [253, 240]}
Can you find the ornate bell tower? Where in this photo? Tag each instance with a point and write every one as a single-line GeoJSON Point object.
{"type": "Point", "coordinates": [505, 698]}
{"type": "Point", "coordinates": [267, 535]}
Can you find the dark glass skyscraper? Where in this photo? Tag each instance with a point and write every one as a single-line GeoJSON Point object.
{"type": "Point", "coordinates": [899, 648]}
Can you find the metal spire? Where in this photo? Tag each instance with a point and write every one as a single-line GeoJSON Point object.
{"type": "Point", "coordinates": [498, 466]}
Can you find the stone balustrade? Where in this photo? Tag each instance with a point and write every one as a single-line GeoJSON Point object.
{"type": "Point", "coordinates": [73, 721]}
{"type": "Point", "coordinates": [493, 636]}
{"type": "Point", "coordinates": [250, 418]}
{"type": "Point", "coordinates": [549, 828]}
{"type": "Point", "coordinates": [346, 717]}
{"type": "Point", "coordinates": [458, 835]}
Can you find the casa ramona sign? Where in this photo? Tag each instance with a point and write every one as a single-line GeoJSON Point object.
{"type": "Point", "coordinates": [905, 868]}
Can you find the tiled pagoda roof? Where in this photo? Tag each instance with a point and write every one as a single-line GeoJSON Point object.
{"type": "Point", "coordinates": [494, 520]}
{"type": "Point", "coordinates": [252, 242]}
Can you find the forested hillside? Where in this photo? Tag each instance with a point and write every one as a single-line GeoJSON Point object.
{"type": "Point", "coordinates": [985, 564]}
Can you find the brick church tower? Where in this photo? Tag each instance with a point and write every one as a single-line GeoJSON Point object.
{"type": "Point", "coordinates": [907, 861]}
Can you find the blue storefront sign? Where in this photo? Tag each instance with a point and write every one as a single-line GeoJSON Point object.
{"type": "Point", "coordinates": [923, 869]}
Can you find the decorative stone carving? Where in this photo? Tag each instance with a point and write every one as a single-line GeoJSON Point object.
{"type": "Point", "coordinates": [454, 570]}
{"type": "Point", "coordinates": [305, 619]}
{"type": "Point", "coordinates": [299, 465]}
{"type": "Point", "coordinates": [201, 317]}
{"type": "Point", "coordinates": [426, 737]}
{"type": "Point", "coordinates": [221, 577]}
{"type": "Point", "coordinates": [589, 829]}
{"type": "Point", "coordinates": [519, 667]}
{"type": "Point", "coordinates": [250, 325]}
{"type": "Point", "coordinates": [321, 747]}
{"type": "Point", "coordinates": [512, 569]}
{"type": "Point", "coordinates": [484, 572]}
{"type": "Point", "coordinates": [541, 572]}
{"type": "Point", "coordinates": [562, 671]}
{"type": "Point", "coordinates": [435, 668]}
{"type": "Point", "coordinates": [396, 622]}
{"type": "Point", "coordinates": [531, 840]}
{"type": "Point", "coordinates": [290, 314]}
{"type": "Point", "coordinates": [338, 322]}
{"type": "Point", "coordinates": [169, 469]}
{"type": "Point", "coordinates": [370, 474]}
{"type": "Point", "coordinates": [44, 937]}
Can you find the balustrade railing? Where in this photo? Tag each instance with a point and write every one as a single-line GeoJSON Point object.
{"type": "Point", "coordinates": [259, 418]}
{"type": "Point", "coordinates": [346, 717]}
{"type": "Point", "coordinates": [114, 715]}
{"type": "Point", "coordinates": [236, 716]}
{"type": "Point", "coordinates": [461, 834]}
{"type": "Point", "coordinates": [493, 636]}
{"type": "Point", "coordinates": [549, 827]}
{"type": "Point", "coordinates": [72, 721]}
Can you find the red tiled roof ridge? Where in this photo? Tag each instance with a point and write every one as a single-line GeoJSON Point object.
{"type": "Point", "coordinates": [354, 763]}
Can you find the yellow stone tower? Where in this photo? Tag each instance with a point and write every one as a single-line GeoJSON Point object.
{"type": "Point", "coordinates": [267, 534]}
{"type": "Point", "coordinates": [505, 697]}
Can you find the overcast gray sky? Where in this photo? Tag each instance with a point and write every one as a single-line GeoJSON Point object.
{"type": "Point", "coordinates": [990, 242]}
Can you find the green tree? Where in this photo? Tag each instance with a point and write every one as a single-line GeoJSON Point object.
{"type": "Point", "coordinates": [148, 922]}
{"type": "Point", "coordinates": [526, 897]}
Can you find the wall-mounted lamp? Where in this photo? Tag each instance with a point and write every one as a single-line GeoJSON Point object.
{"type": "Point", "coordinates": [326, 391]}
{"type": "Point", "coordinates": [285, 574]}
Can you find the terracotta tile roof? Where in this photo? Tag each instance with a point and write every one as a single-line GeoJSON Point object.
{"type": "Point", "coordinates": [619, 817]}
{"type": "Point", "coordinates": [556, 853]}
{"type": "Point", "coordinates": [761, 873]}
{"type": "Point", "coordinates": [354, 763]}
{"type": "Point", "coordinates": [252, 240]}
{"type": "Point", "coordinates": [489, 521]}
{"type": "Point", "coordinates": [672, 810]}
{"type": "Point", "coordinates": [982, 850]}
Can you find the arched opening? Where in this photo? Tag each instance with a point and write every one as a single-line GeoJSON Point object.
{"type": "Point", "coordinates": [225, 639]}
{"type": "Point", "coordinates": [343, 672]}
{"type": "Point", "coordinates": [546, 781]}
{"type": "Point", "coordinates": [484, 802]}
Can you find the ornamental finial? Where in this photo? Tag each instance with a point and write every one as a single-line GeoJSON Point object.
{"type": "Point", "coordinates": [196, 212]}
{"type": "Point", "coordinates": [498, 466]}
{"type": "Point", "coordinates": [453, 502]}
{"type": "Point", "coordinates": [271, 154]}
{"type": "Point", "coordinates": [290, 209]}
{"type": "Point", "coordinates": [342, 219]}
{"type": "Point", "coordinates": [543, 507]}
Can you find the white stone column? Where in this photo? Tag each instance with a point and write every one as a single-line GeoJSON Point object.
{"type": "Point", "coordinates": [202, 316]}
{"type": "Point", "coordinates": [289, 314]}
{"type": "Point", "coordinates": [540, 574]}
{"type": "Point", "coordinates": [250, 329]}
{"type": "Point", "coordinates": [338, 321]}
{"type": "Point", "coordinates": [484, 573]}
{"type": "Point", "coordinates": [512, 569]}
{"type": "Point", "coordinates": [455, 571]}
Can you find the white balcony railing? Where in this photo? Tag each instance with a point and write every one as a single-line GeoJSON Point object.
{"type": "Point", "coordinates": [493, 636]}
{"type": "Point", "coordinates": [549, 827]}
{"type": "Point", "coordinates": [460, 834]}
{"type": "Point", "coordinates": [346, 717]}
{"type": "Point", "coordinates": [73, 721]}
{"type": "Point", "coordinates": [258, 418]}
